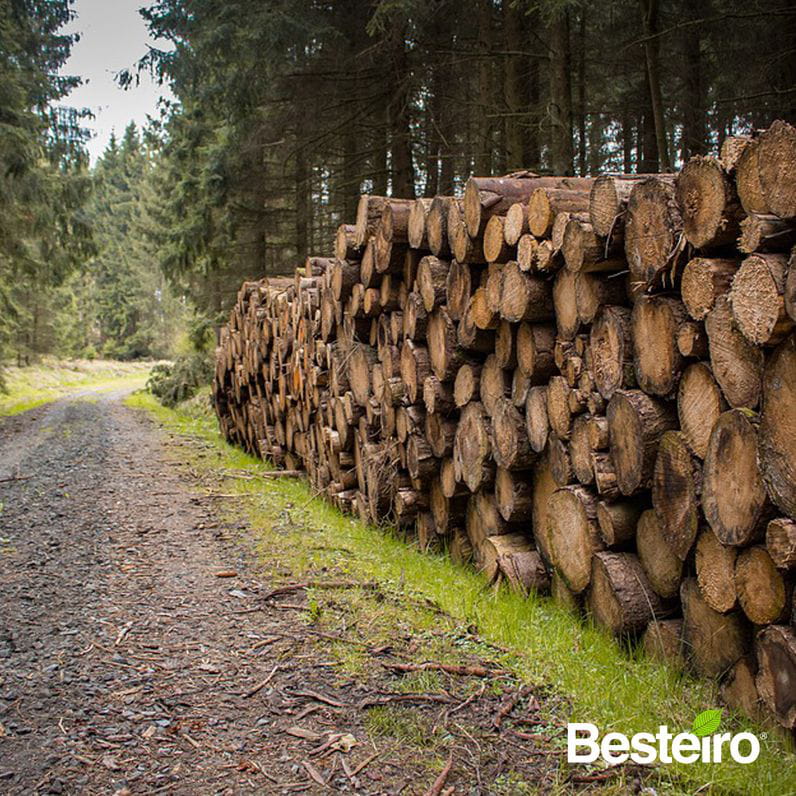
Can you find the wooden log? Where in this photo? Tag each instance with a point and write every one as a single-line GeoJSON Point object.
{"type": "Point", "coordinates": [692, 340]}
{"type": "Point", "coordinates": [699, 404]}
{"type": "Point", "coordinates": [514, 495]}
{"type": "Point", "coordinates": [747, 180]}
{"type": "Point", "coordinates": [511, 448]}
{"type": "Point", "coordinates": [458, 289]}
{"type": "Point", "coordinates": [655, 323]}
{"type": "Point", "coordinates": [522, 566]}
{"type": "Point", "coordinates": [544, 486]}
{"type": "Point", "coordinates": [496, 250]}
{"type": "Point", "coordinates": [704, 280]}
{"type": "Point", "coordinates": [520, 384]}
{"type": "Point", "coordinates": [618, 521]}
{"type": "Point", "coordinates": [675, 493]}
{"type": "Point", "coordinates": [584, 251]}
{"type": "Point", "coordinates": [537, 424]}
{"type": "Point", "coordinates": [763, 593]}
{"type": "Point", "coordinates": [416, 231]}
{"type": "Point", "coordinates": [652, 227]}
{"type": "Point", "coordinates": [636, 423]}
{"type": "Point", "coordinates": [736, 363]}
{"type": "Point", "coordinates": [438, 397]}
{"type": "Point", "coordinates": [440, 432]}
{"type": "Point", "coordinates": [444, 350]}
{"type": "Point", "coordinates": [560, 462]}
{"type": "Point", "coordinates": [437, 226]}
{"type": "Point", "coordinates": [469, 332]}
{"type": "Point", "coordinates": [715, 571]}
{"type": "Point", "coordinates": [621, 598]}
{"type": "Point", "coordinates": [781, 543]}
{"type": "Point", "coordinates": [515, 224]}
{"type": "Point", "coordinates": [526, 251]}
{"type": "Point", "coordinates": [524, 297]}
{"type": "Point", "coordinates": [662, 642]}
{"type": "Point", "coordinates": [360, 366]}
{"type": "Point", "coordinates": [765, 233]}
{"type": "Point", "coordinates": [420, 460]}
{"type": "Point", "coordinates": [734, 496]}
{"type": "Point", "coordinates": [731, 150]}
{"type": "Point", "coordinates": [777, 433]}
{"type": "Point", "coordinates": [466, 387]}
{"type": "Point", "coordinates": [558, 412]}
{"type": "Point", "coordinates": [608, 201]}
{"type": "Point", "coordinates": [775, 647]}
{"type": "Point", "coordinates": [713, 641]}
{"type": "Point", "coordinates": [565, 305]}
{"type": "Point", "coordinates": [708, 204]}
{"type": "Point", "coordinates": [472, 447]}
{"type": "Point", "coordinates": [505, 348]}
{"type": "Point", "coordinates": [545, 204]}
{"type": "Point", "coordinates": [757, 299]}
{"type": "Point", "coordinates": [415, 317]}
{"type": "Point", "coordinates": [611, 347]}
{"type": "Point", "coordinates": [776, 167]}
{"type": "Point", "coordinates": [738, 689]}
{"type": "Point", "coordinates": [431, 281]}
{"type": "Point", "coordinates": [580, 450]}
{"type": "Point", "coordinates": [662, 567]}
{"type": "Point", "coordinates": [369, 210]}
{"type": "Point", "coordinates": [535, 345]}
{"type": "Point", "coordinates": [464, 248]}
{"type": "Point", "coordinates": [593, 291]}
{"type": "Point", "coordinates": [574, 534]}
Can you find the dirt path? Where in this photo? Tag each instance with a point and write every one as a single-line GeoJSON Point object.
{"type": "Point", "coordinates": [128, 665]}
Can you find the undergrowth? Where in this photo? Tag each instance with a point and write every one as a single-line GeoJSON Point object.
{"type": "Point", "coordinates": [595, 679]}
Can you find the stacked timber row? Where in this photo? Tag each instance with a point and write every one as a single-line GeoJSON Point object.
{"type": "Point", "coordinates": [586, 386]}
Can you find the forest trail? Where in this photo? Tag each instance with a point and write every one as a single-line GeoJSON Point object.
{"type": "Point", "coordinates": [128, 665]}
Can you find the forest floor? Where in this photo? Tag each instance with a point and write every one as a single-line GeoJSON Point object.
{"type": "Point", "coordinates": [172, 625]}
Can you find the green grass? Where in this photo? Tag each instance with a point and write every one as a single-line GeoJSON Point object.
{"type": "Point", "coordinates": [51, 379]}
{"type": "Point", "coordinates": [617, 689]}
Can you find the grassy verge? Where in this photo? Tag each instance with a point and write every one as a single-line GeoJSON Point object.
{"type": "Point", "coordinates": [51, 379]}
{"type": "Point", "coordinates": [616, 689]}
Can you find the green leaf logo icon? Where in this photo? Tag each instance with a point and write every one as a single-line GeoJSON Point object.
{"type": "Point", "coordinates": [706, 723]}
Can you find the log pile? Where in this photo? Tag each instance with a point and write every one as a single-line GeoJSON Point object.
{"type": "Point", "coordinates": [586, 386]}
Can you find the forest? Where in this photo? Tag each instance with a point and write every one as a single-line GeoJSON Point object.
{"type": "Point", "coordinates": [286, 111]}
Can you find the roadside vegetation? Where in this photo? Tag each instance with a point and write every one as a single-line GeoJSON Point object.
{"type": "Point", "coordinates": [593, 678]}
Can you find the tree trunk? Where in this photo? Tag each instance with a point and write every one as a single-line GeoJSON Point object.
{"type": "Point", "coordinates": [560, 95]}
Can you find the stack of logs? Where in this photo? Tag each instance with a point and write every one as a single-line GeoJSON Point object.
{"type": "Point", "coordinates": [582, 385]}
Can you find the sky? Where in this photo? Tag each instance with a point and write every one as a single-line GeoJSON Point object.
{"type": "Point", "coordinates": [113, 37]}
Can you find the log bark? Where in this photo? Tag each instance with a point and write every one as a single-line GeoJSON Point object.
{"type": "Point", "coordinates": [734, 496]}
{"type": "Point", "coordinates": [662, 567]}
{"type": "Point", "coordinates": [777, 433]}
{"type": "Point", "coordinates": [445, 353]}
{"type": "Point", "coordinates": [738, 690]}
{"type": "Point", "coordinates": [621, 598]}
{"type": "Point", "coordinates": [438, 397]}
{"type": "Point", "coordinates": [636, 423]}
{"type": "Point", "coordinates": [584, 251]}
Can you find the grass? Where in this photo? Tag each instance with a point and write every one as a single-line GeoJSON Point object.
{"type": "Point", "coordinates": [51, 379]}
{"type": "Point", "coordinates": [600, 682]}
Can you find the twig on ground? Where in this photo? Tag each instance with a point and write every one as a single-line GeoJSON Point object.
{"type": "Point", "coordinates": [262, 684]}
{"type": "Point", "coordinates": [387, 698]}
{"type": "Point", "coordinates": [439, 782]}
{"type": "Point", "coordinates": [508, 705]}
{"type": "Point", "coordinates": [449, 668]}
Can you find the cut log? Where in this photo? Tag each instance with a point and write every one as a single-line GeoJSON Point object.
{"type": "Point", "coordinates": [537, 424]}
{"type": "Point", "coordinates": [704, 280]}
{"type": "Point", "coordinates": [621, 598]}
{"type": "Point", "coordinates": [781, 543]}
{"type": "Point", "coordinates": [360, 365]}
{"type": "Point", "coordinates": [762, 592]}
{"type": "Point", "coordinates": [747, 180]}
{"type": "Point", "coordinates": [544, 486]}
{"type": "Point", "coordinates": [369, 212]}
{"type": "Point", "coordinates": [618, 521]}
{"type": "Point", "coordinates": [636, 423]}
{"type": "Point", "coordinates": [565, 305]}
{"type": "Point", "coordinates": [663, 642]}
{"type": "Point", "coordinates": [692, 340]}
{"type": "Point", "coordinates": [652, 226]}
{"type": "Point", "coordinates": [505, 347]}
{"type": "Point", "coordinates": [662, 567]}
{"type": "Point", "coordinates": [699, 404]}
{"type": "Point", "coordinates": [731, 150]}
{"type": "Point", "coordinates": [675, 491]}
{"type": "Point", "coordinates": [535, 345]}
{"type": "Point", "coordinates": [432, 280]}
{"type": "Point", "coordinates": [526, 251]}
{"type": "Point", "coordinates": [440, 433]}
{"type": "Point", "coordinates": [611, 347]}
{"type": "Point", "coordinates": [585, 251]}
{"type": "Point", "coordinates": [608, 201]}
{"type": "Point", "coordinates": [580, 450]}
{"type": "Point", "coordinates": [523, 568]}
{"type": "Point", "coordinates": [496, 250]}
{"type": "Point", "coordinates": [766, 234]}
{"type": "Point", "coordinates": [776, 672]}
{"type": "Point", "coordinates": [445, 353]}
{"type": "Point", "coordinates": [415, 366]}
{"type": "Point", "coordinates": [524, 297]}
{"type": "Point", "coordinates": [574, 535]}
{"type": "Point", "coordinates": [472, 448]}
{"type": "Point", "coordinates": [733, 493]}
{"type": "Point", "coordinates": [466, 387]}
{"type": "Point", "coordinates": [514, 495]}
{"type": "Point", "coordinates": [655, 323]}
{"type": "Point", "coordinates": [458, 289]}
{"type": "Point", "coordinates": [777, 434]}
{"type": "Point", "coordinates": [736, 363]}
{"type": "Point", "coordinates": [715, 571]}
{"type": "Point", "coordinates": [713, 641]}
{"type": "Point", "coordinates": [776, 166]}
{"type": "Point", "coordinates": [494, 286]}
{"type": "Point", "coordinates": [511, 448]}
{"type": "Point", "coordinates": [560, 462]}
{"type": "Point", "coordinates": [464, 248]}
{"type": "Point", "coordinates": [558, 411]}
{"type": "Point", "coordinates": [470, 334]}
{"type": "Point", "coordinates": [708, 203]}
{"type": "Point", "coordinates": [438, 396]}
{"type": "Point", "coordinates": [757, 299]}
{"type": "Point", "coordinates": [437, 226]}
{"type": "Point", "coordinates": [738, 689]}
{"type": "Point", "coordinates": [516, 223]}
{"type": "Point", "coordinates": [546, 203]}
{"type": "Point", "coordinates": [495, 383]}
{"type": "Point", "coordinates": [416, 233]}
{"type": "Point", "coordinates": [592, 291]}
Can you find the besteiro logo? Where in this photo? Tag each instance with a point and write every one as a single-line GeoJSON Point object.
{"type": "Point", "coordinates": [702, 743]}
